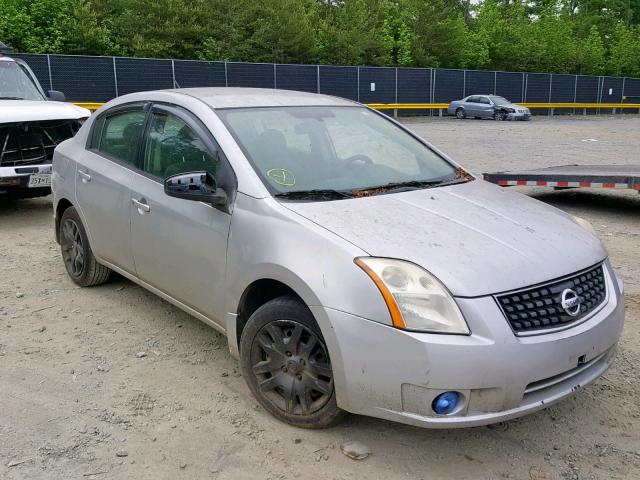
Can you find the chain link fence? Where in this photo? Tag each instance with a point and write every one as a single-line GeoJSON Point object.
{"type": "Point", "coordinates": [99, 79]}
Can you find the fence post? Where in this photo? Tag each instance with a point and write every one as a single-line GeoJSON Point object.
{"type": "Point", "coordinates": [550, 87]}
{"type": "Point", "coordinates": [275, 81]}
{"type": "Point", "coordinates": [624, 80]}
{"type": "Point", "coordinates": [358, 80]}
{"type": "Point", "coordinates": [173, 74]}
{"type": "Point", "coordinates": [226, 77]}
{"type": "Point", "coordinates": [495, 82]}
{"type": "Point", "coordinates": [575, 93]}
{"type": "Point", "coordinates": [433, 89]}
{"type": "Point", "coordinates": [50, 76]}
{"type": "Point", "coordinates": [464, 83]}
{"type": "Point", "coordinates": [395, 110]}
{"type": "Point", "coordinates": [318, 78]}
{"type": "Point", "coordinates": [115, 76]}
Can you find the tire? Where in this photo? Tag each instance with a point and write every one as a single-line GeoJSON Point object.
{"type": "Point", "coordinates": [460, 113]}
{"type": "Point", "coordinates": [286, 365]}
{"type": "Point", "coordinates": [499, 116]}
{"type": "Point", "coordinates": [81, 265]}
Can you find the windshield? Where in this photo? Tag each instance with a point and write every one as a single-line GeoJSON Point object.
{"type": "Point", "coordinates": [343, 150]}
{"type": "Point", "coordinates": [500, 101]}
{"type": "Point", "coordinates": [15, 84]}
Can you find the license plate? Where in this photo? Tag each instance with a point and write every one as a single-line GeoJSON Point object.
{"type": "Point", "coordinates": [40, 180]}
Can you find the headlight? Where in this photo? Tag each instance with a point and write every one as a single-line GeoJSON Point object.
{"type": "Point", "coordinates": [415, 298]}
{"type": "Point", "coordinates": [584, 224]}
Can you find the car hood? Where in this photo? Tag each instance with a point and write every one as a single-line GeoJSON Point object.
{"type": "Point", "coordinates": [478, 239]}
{"type": "Point", "coordinates": [33, 111]}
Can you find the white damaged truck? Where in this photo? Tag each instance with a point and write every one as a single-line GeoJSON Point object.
{"type": "Point", "coordinates": [32, 123]}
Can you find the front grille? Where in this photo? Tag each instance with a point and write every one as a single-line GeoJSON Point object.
{"type": "Point", "coordinates": [540, 307]}
{"type": "Point", "coordinates": [32, 143]}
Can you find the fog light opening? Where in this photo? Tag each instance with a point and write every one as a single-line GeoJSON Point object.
{"type": "Point", "coordinates": [446, 403]}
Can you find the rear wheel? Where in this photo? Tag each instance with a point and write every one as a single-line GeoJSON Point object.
{"type": "Point", "coordinates": [460, 113]}
{"type": "Point", "coordinates": [286, 364]}
{"type": "Point", "coordinates": [81, 265]}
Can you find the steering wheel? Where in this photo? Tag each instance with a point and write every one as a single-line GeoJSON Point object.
{"type": "Point", "coordinates": [359, 159]}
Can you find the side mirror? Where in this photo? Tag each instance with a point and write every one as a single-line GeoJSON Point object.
{"type": "Point", "coordinates": [197, 186]}
{"type": "Point", "coordinates": [56, 96]}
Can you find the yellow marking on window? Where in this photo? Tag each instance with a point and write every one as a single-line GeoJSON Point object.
{"type": "Point", "coordinates": [282, 177]}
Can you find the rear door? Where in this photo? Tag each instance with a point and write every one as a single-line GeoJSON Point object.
{"type": "Point", "coordinates": [180, 246]}
{"type": "Point", "coordinates": [485, 107]}
{"type": "Point", "coordinates": [471, 106]}
{"type": "Point", "coordinates": [103, 181]}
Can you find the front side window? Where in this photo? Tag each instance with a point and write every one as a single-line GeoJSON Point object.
{"type": "Point", "coordinates": [173, 147]}
{"type": "Point", "coordinates": [337, 148]}
{"type": "Point", "coordinates": [16, 84]}
{"type": "Point", "coordinates": [500, 100]}
{"type": "Point", "coordinates": [120, 135]}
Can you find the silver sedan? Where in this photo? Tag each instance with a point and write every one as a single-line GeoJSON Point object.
{"type": "Point", "coordinates": [350, 264]}
{"type": "Point", "coordinates": [488, 106]}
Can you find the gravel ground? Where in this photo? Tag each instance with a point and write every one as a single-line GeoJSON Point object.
{"type": "Point", "coordinates": [76, 401]}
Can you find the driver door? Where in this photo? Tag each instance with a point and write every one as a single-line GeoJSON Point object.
{"type": "Point", "coordinates": [180, 246]}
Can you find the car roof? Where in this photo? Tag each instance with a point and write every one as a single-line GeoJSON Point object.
{"type": "Point", "coordinates": [234, 97]}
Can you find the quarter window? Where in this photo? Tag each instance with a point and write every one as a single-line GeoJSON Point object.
{"type": "Point", "coordinates": [173, 147]}
{"type": "Point", "coordinates": [120, 135]}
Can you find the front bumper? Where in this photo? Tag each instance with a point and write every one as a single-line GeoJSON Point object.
{"type": "Point", "coordinates": [519, 116]}
{"type": "Point", "coordinates": [393, 374]}
{"type": "Point", "coordinates": [16, 179]}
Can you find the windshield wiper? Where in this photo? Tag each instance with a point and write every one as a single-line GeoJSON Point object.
{"type": "Point", "coordinates": [11, 98]}
{"type": "Point", "coordinates": [316, 194]}
{"type": "Point", "coordinates": [408, 185]}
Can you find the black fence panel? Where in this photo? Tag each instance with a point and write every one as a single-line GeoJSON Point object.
{"type": "Point", "coordinates": [339, 81]}
{"type": "Point", "coordinates": [39, 65]}
{"type": "Point", "coordinates": [478, 82]}
{"type": "Point", "coordinates": [303, 78]}
{"type": "Point", "coordinates": [510, 85]}
{"type": "Point", "coordinates": [588, 89]}
{"type": "Point", "coordinates": [631, 93]}
{"type": "Point", "coordinates": [537, 89]}
{"type": "Point", "coordinates": [192, 73]}
{"type": "Point", "coordinates": [377, 85]}
{"type": "Point", "coordinates": [414, 86]}
{"type": "Point", "coordinates": [141, 74]}
{"type": "Point", "coordinates": [256, 75]}
{"type": "Point", "coordinates": [632, 90]}
{"type": "Point", "coordinates": [83, 77]}
{"type": "Point", "coordinates": [611, 92]}
{"type": "Point", "coordinates": [563, 89]}
{"type": "Point", "coordinates": [448, 85]}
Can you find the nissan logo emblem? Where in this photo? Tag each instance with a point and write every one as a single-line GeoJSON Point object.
{"type": "Point", "coordinates": [571, 302]}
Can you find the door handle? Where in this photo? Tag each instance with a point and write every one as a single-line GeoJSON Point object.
{"type": "Point", "coordinates": [141, 206]}
{"type": "Point", "coordinates": [84, 176]}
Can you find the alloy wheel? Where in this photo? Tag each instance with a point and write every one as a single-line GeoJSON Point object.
{"type": "Point", "coordinates": [292, 367]}
{"type": "Point", "coordinates": [72, 247]}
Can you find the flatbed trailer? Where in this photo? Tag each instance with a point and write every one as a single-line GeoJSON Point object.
{"type": "Point", "coordinates": [572, 176]}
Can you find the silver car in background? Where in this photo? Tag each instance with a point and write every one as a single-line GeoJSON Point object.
{"type": "Point", "coordinates": [350, 264]}
{"type": "Point", "coordinates": [488, 106]}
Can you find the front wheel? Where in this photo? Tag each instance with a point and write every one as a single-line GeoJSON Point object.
{"type": "Point", "coordinates": [81, 265]}
{"type": "Point", "coordinates": [499, 116]}
{"type": "Point", "coordinates": [286, 364]}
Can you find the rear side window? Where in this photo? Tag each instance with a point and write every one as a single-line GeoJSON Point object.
{"type": "Point", "coordinates": [120, 135]}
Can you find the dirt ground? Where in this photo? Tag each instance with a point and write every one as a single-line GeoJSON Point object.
{"type": "Point", "coordinates": [76, 401]}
